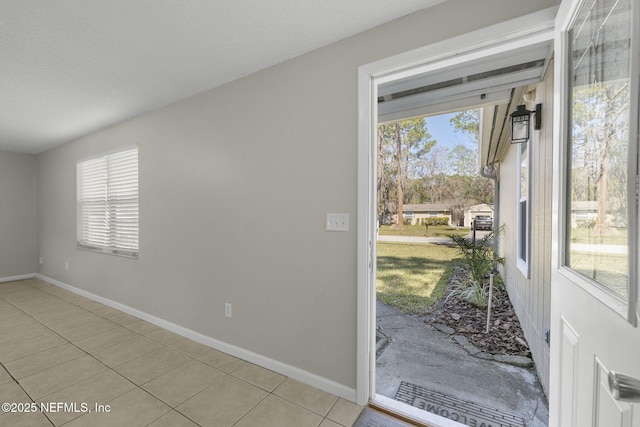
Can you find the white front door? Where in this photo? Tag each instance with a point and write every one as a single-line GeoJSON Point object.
{"type": "Point", "coordinates": [594, 290]}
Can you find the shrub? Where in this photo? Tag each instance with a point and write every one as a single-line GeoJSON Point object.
{"type": "Point", "coordinates": [436, 220]}
{"type": "Point", "coordinates": [481, 261]}
{"type": "Point", "coordinates": [589, 223]}
{"type": "Point", "coordinates": [473, 292]}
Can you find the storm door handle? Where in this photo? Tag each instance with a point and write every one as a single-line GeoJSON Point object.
{"type": "Point", "coordinates": [624, 388]}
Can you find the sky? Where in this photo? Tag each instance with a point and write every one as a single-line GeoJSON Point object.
{"type": "Point", "coordinates": [442, 131]}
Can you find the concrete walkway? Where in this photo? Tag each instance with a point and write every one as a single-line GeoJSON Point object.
{"type": "Point", "coordinates": [419, 354]}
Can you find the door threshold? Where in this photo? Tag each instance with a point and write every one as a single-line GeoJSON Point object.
{"type": "Point", "coordinates": [410, 414]}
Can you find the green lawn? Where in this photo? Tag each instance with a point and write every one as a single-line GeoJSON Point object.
{"type": "Point", "coordinates": [413, 277]}
{"type": "Point", "coordinates": [613, 236]}
{"type": "Point", "coordinates": [610, 270]}
{"type": "Point", "coordinates": [420, 230]}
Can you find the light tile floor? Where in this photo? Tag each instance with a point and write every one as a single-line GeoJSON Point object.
{"type": "Point", "coordinates": [58, 348]}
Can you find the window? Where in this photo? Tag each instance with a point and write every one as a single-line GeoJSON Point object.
{"type": "Point", "coordinates": [107, 195]}
{"type": "Point", "coordinates": [523, 208]}
{"type": "Point", "coordinates": [599, 201]}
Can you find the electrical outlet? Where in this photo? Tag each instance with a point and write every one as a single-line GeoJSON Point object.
{"type": "Point", "coordinates": [227, 309]}
{"type": "Point", "coordinates": [41, 261]}
{"type": "Point", "coordinates": [66, 265]}
{"type": "Point", "coordinates": [337, 222]}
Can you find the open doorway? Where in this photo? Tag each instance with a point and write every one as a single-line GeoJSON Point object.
{"type": "Point", "coordinates": [484, 75]}
{"type": "Point", "coordinates": [428, 189]}
{"type": "Point", "coordinates": [435, 350]}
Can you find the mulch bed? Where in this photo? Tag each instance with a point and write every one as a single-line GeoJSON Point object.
{"type": "Point", "coordinates": [505, 335]}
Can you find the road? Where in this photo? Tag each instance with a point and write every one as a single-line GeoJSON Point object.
{"type": "Point", "coordinates": [424, 239]}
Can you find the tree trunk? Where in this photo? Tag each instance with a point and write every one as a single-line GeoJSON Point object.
{"type": "Point", "coordinates": [602, 181]}
{"type": "Point", "coordinates": [398, 139]}
{"type": "Point", "coordinates": [380, 175]}
{"type": "Point", "coordinates": [601, 226]}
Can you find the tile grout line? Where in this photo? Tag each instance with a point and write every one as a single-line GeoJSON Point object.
{"type": "Point", "coordinates": [92, 356]}
{"type": "Point", "coordinates": [35, 288]}
{"type": "Point", "coordinates": [95, 358]}
{"type": "Point", "coordinates": [172, 408]}
{"type": "Point", "coordinates": [11, 375]}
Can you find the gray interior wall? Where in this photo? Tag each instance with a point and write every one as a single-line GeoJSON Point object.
{"type": "Point", "coordinates": [531, 297]}
{"type": "Point", "coordinates": [235, 184]}
{"type": "Point", "coordinates": [18, 231]}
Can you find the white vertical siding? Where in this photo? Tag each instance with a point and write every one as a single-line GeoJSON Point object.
{"type": "Point", "coordinates": [531, 296]}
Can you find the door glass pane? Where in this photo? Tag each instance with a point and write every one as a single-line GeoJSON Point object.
{"type": "Point", "coordinates": [597, 214]}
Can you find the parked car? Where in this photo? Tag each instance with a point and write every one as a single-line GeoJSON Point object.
{"type": "Point", "coordinates": [483, 222]}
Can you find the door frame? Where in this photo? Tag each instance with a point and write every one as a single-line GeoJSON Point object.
{"type": "Point", "coordinates": [499, 38]}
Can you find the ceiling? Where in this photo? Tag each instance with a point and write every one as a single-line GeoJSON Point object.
{"type": "Point", "coordinates": [71, 67]}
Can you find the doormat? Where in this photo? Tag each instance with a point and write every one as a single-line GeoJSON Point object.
{"type": "Point", "coordinates": [456, 409]}
{"type": "Point", "coordinates": [371, 418]}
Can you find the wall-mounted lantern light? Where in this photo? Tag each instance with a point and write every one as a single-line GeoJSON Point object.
{"type": "Point", "coordinates": [520, 123]}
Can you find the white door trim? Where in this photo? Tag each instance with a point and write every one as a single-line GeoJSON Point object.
{"type": "Point", "coordinates": [499, 38]}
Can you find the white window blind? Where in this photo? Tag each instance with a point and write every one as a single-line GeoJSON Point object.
{"type": "Point", "coordinates": [108, 203]}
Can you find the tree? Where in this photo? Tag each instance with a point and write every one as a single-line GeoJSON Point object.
{"type": "Point", "coordinates": [435, 162]}
{"type": "Point", "coordinates": [468, 122]}
{"type": "Point", "coordinates": [402, 148]}
{"type": "Point", "coordinates": [463, 160]}
{"type": "Point", "coordinates": [412, 169]}
{"type": "Point", "coordinates": [599, 146]}
{"type": "Point", "coordinates": [397, 137]}
{"type": "Point", "coordinates": [386, 188]}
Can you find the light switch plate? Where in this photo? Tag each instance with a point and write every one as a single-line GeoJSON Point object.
{"type": "Point", "coordinates": [337, 222]}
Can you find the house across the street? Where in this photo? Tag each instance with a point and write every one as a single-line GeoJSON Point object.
{"type": "Point", "coordinates": [418, 213]}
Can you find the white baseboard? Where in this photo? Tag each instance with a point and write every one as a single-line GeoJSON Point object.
{"type": "Point", "coordinates": [282, 368]}
{"type": "Point", "coordinates": [15, 278]}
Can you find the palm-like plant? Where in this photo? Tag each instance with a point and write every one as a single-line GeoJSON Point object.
{"type": "Point", "coordinates": [481, 261]}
